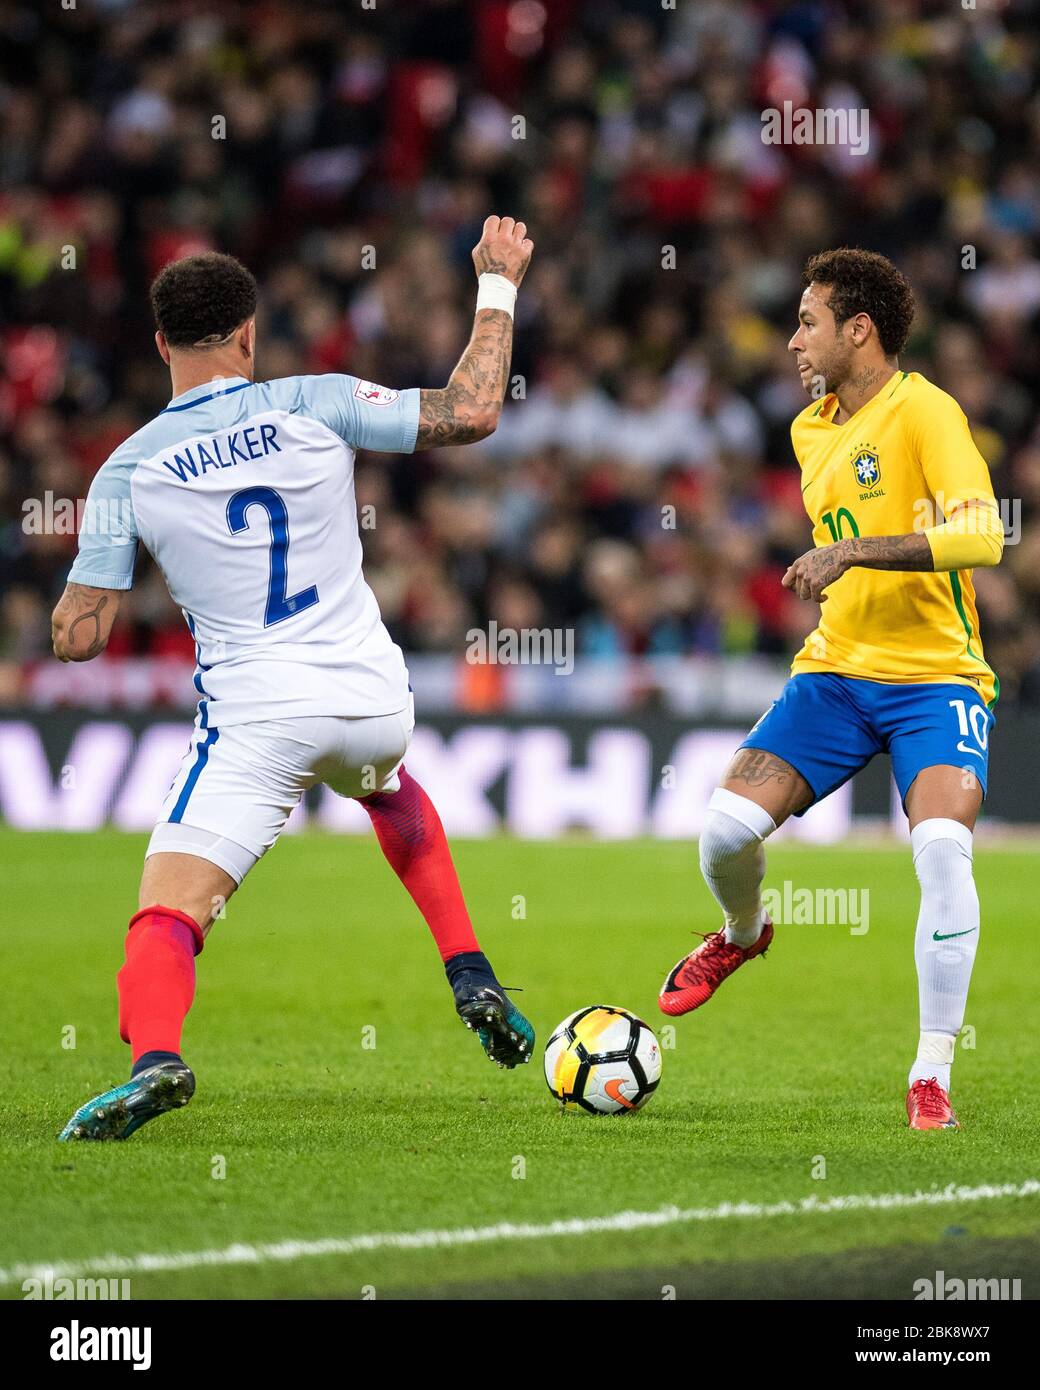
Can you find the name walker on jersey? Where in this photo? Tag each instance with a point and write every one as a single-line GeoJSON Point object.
{"type": "Point", "coordinates": [246, 445]}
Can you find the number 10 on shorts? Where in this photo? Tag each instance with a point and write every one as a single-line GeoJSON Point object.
{"type": "Point", "coordinates": [973, 722]}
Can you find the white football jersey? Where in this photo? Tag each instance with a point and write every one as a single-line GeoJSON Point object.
{"type": "Point", "coordinates": [244, 494]}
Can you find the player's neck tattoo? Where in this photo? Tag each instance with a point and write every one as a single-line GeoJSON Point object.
{"type": "Point", "coordinates": [861, 387]}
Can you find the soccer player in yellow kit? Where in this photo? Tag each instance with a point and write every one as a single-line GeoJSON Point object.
{"type": "Point", "coordinates": [902, 511]}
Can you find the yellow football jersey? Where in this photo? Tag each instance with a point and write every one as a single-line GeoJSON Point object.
{"type": "Point", "coordinates": [899, 464]}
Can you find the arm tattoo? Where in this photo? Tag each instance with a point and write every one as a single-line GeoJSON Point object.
{"type": "Point", "coordinates": [817, 569]}
{"type": "Point", "coordinates": [72, 611]}
{"type": "Point", "coordinates": [94, 615]}
{"type": "Point", "coordinates": [824, 565]}
{"type": "Point", "coordinates": [909, 552]}
{"type": "Point", "coordinates": [488, 265]}
{"type": "Point", "coordinates": [460, 412]}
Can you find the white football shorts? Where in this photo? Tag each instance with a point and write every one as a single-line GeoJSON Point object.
{"type": "Point", "coordinates": [238, 785]}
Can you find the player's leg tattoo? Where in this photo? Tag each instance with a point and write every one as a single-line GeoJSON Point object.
{"type": "Point", "coordinates": [769, 782]}
{"type": "Point", "coordinates": [755, 767]}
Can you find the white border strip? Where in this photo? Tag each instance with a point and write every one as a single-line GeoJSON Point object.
{"type": "Point", "coordinates": [287, 1251]}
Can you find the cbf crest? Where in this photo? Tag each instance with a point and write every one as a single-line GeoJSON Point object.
{"type": "Point", "coordinates": [868, 468]}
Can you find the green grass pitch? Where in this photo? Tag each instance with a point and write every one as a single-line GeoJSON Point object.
{"type": "Point", "coordinates": [797, 1067]}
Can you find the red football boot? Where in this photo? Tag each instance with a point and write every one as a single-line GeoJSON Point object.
{"type": "Point", "coordinates": [698, 975]}
{"type": "Point", "coordinates": [928, 1106]}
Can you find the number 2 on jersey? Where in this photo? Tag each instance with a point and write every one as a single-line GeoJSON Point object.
{"type": "Point", "coordinates": [279, 607]}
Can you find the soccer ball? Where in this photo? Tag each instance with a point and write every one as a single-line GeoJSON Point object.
{"type": "Point", "coordinates": [604, 1060]}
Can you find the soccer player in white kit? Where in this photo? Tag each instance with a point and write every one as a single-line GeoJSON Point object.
{"type": "Point", "coordinates": [243, 492]}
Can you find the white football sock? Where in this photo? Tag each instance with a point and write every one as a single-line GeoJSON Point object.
{"type": "Point", "coordinates": [733, 862]}
{"type": "Point", "coordinates": [934, 1058]}
{"type": "Point", "coordinates": [946, 942]}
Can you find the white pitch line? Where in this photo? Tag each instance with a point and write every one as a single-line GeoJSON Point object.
{"type": "Point", "coordinates": [288, 1250]}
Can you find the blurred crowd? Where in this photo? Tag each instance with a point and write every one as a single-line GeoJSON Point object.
{"type": "Point", "coordinates": [641, 488]}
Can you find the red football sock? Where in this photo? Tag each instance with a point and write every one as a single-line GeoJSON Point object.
{"type": "Point", "coordinates": [157, 982]}
{"type": "Point", "coordinates": [412, 838]}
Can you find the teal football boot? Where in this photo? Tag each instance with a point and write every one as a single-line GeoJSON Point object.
{"type": "Point", "coordinates": [116, 1114]}
{"type": "Point", "coordinates": [483, 1005]}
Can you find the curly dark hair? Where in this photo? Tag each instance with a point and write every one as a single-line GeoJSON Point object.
{"type": "Point", "coordinates": [863, 282]}
{"type": "Point", "coordinates": [200, 300]}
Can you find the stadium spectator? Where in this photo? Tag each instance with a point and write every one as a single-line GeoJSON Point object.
{"type": "Point", "coordinates": [349, 157]}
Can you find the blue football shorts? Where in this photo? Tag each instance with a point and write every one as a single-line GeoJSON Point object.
{"type": "Point", "coordinates": [829, 726]}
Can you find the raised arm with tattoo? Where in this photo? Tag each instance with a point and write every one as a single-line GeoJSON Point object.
{"type": "Point", "coordinates": [468, 408]}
